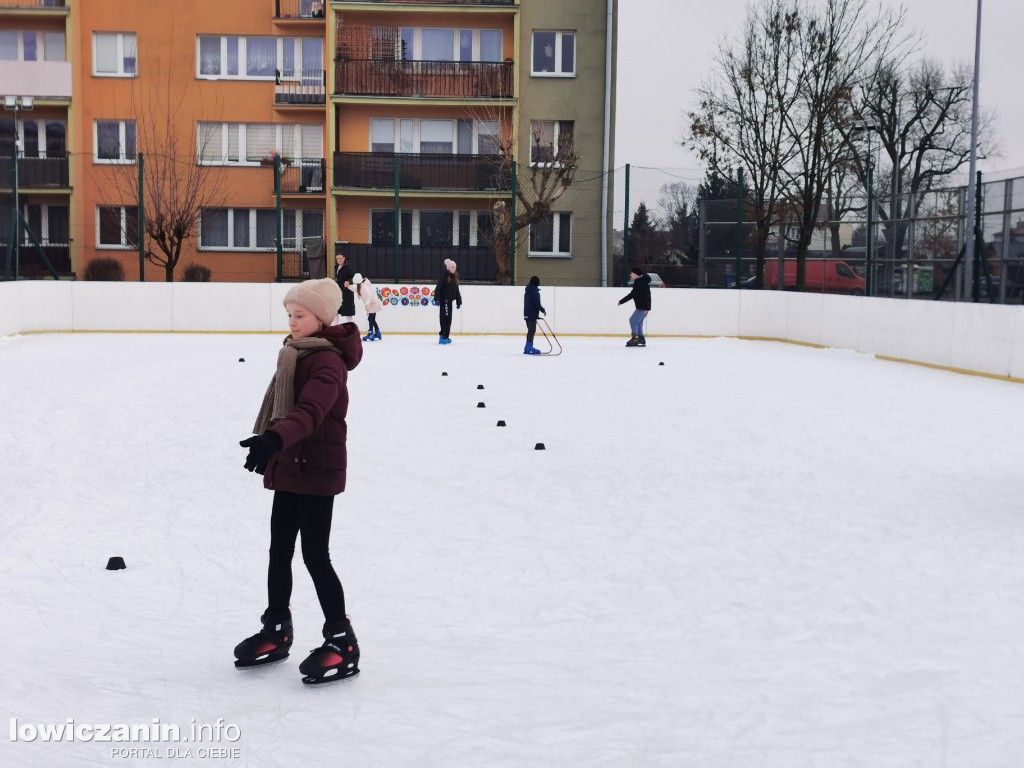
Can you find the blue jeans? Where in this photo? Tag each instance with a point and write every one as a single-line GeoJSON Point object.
{"type": "Point", "coordinates": [636, 322]}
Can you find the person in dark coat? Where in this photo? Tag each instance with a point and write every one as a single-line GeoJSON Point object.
{"type": "Point", "coordinates": [641, 296]}
{"type": "Point", "coordinates": [344, 274]}
{"type": "Point", "coordinates": [299, 448]}
{"type": "Point", "coordinates": [446, 292]}
{"type": "Point", "coordinates": [532, 309]}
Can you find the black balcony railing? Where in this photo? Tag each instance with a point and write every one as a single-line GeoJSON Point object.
{"type": "Point", "coordinates": [422, 263]}
{"type": "Point", "coordinates": [436, 79]}
{"type": "Point", "coordinates": [31, 265]}
{"type": "Point", "coordinates": [300, 87]}
{"type": "Point", "coordinates": [450, 2]}
{"type": "Point", "coordinates": [304, 176]}
{"type": "Point", "coordinates": [297, 9]}
{"type": "Point", "coordinates": [35, 173]}
{"type": "Point", "coordinates": [376, 170]}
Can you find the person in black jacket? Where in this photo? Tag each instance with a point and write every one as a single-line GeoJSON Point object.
{"type": "Point", "coordinates": [532, 309]}
{"type": "Point", "coordinates": [641, 296]}
{"type": "Point", "coordinates": [344, 275]}
{"type": "Point", "coordinates": [445, 293]}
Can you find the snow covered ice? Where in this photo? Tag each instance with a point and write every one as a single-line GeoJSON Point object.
{"type": "Point", "coordinates": [755, 555]}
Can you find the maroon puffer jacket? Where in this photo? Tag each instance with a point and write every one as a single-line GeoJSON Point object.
{"type": "Point", "coordinates": [313, 459]}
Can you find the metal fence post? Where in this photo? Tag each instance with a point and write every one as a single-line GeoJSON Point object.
{"type": "Point", "coordinates": [513, 234]}
{"type": "Point", "coordinates": [398, 215]}
{"type": "Point", "coordinates": [625, 232]}
{"type": "Point", "coordinates": [739, 226]}
{"type": "Point", "coordinates": [869, 239]}
{"type": "Point", "coordinates": [279, 217]}
{"type": "Point", "coordinates": [702, 244]}
{"type": "Point", "coordinates": [142, 220]}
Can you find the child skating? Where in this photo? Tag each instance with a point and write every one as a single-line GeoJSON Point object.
{"type": "Point", "coordinates": [364, 290]}
{"type": "Point", "coordinates": [641, 296]}
{"type": "Point", "coordinates": [446, 292]}
{"type": "Point", "coordinates": [299, 448]}
{"type": "Point", "coordinates": [532, 309]}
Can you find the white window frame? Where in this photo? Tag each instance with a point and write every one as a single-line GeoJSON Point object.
{"type": "Point", "coordinates": [417, 42]}
{"type": "Point", "coordinates": [557, 133]}
{"type": "Point", "coordinates": [252, 248]}
{"type": "Point", "coordinates": [287, 141]}
{"type": "Point", "coordinates": [556, 227]}
{"type": "Point", "coordinates": [41, 134]}
{"type": "Point", "coordinates": [123, 159]}
{"type": "Point", "coordinates": [40, 35]}
{"type": "Point", "coordinates": [242, 58]}
{"type": "Point", "coordinates": [44, 224]}
{"type": "Point", "coordinates": [558, 33]}
{"type": "Point", "coordinates": [120, 54]}
{"type": "Point", "coordinates": [124, 246]}
{"type": "Point", "coordinates": [416, 133]}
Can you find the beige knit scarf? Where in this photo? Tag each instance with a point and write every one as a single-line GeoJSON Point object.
{"type": "Point", "coordinates": [280, 396]}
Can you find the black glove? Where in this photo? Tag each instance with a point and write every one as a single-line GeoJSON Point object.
{"type": "Point", "coordinates": [261, 449]}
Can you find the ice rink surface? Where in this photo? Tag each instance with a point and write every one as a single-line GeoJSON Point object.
{"type": "Point", "coordinates": [755, 555]}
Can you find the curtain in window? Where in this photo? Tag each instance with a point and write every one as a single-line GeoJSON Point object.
{"type": "Point", "coordinates": [382, 134]}
{"type": "Point", "coordinates": [53, 46]}
{"type": "Point", "coordinates": [233, 56]}
{"type": "Point", "coordinates": [438, 44]}
{"type": "Point", "coordinates": [260, 141]}
{"type": "Point", "coordinates": [465, 45]}
{"type": "Point", "coordinates": [488, 141]}
{"type": "Point", "coordinates": [209, 55]}
{"type": "Point", "coordinates": [130, 54]}
{"type": "Point", "coordinates": [312, 61]}
{"type": "Point", "coordinates": [106, 52]}
{"type": "Point", "coordinates": [490, 45]}
{"type": "Point", "coordinates": [214, 228]}
{"type": "Point", "coordinates": [233, 143]}
{"type": "Point", "coordinates": [543, 51]}
{"type": "Point", "coordinates": [405, 127]}
{"type": "Point", "coordinates": [210, 143]}
{"type": "Point", "coordinates": [436, 136]}
{"type": "Point", "coordinates": [28, 46]}
{"type": "Point", "coordinates": [288, 57]}
{"type": "Point", "coordinates": [260, 56]}
{"type": "Point", "coordinates": [312, 141]}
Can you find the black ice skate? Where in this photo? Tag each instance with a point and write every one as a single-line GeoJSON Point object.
{"type": "Point", "coordinates": [641, 341]}
{"type": "Point", "coordinates": [268, 645]}
{"type": "Point", "coordinates": [633, 342]}
{"type": "Point", "coordinates": [336, 659]}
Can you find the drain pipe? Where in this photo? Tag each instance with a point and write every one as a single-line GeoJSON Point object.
{"type": "Point", "coordinates": [607, 141]}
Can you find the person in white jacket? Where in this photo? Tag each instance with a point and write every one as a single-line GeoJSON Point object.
{"type": "Point", "coordinates": [363, 289]}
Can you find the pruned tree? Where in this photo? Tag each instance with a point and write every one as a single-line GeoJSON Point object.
{"type": "Point", "coordinates": [177, 186]}
{"type": "Point", "coordinates": [741, 117]}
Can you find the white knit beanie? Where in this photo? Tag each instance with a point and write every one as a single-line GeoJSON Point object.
{"type": "Point", "coordinates": [450, 265]}
{"type": "Point", "coordinates": [321, 297]}
{"type": "Point", "coordinates": [357, 278]}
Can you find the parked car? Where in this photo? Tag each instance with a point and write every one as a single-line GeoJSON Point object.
{"type": "Point", "coordinates": [819, 277]}
{"type": "Point", "coordinates": [656, 281]}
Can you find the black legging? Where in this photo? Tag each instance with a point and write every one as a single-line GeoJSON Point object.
{"type": "Point", "coordinates": [372, 322]}
{"type": "Point", "coordinates": [531, 329]}
{"type": "Point", "coordinates": [446, 319]}
{"type": "Point", "coordinates": [292, 513]}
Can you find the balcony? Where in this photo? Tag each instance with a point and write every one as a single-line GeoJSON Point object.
{"type": "Point", "coordinates": [35, 173]}
{"type": "Point", "coordinates": [424, 79]}
{"type": "Point", "coordinates": [39, 79]}
{"type": "Point", "coordinates": [418, 263]}
{"type": "Point", "coordinates": [304, 88]}
{"type": "Point", "coordinates": [439, 2]}
{"type": "Point", "coordinates": [304, 176]}
{"type": "Point", "coordinates": [444, 172]}
{"type": "Point", "coordinates": [33, 5]}
{"type": "Point", "coordinates": [297, 10]}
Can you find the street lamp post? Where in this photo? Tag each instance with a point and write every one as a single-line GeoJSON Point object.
{"type": "Point", "coordinates": [867, 126]}
{"type": "Point", "coordinates": [16, 104]}
{"type": "Point", "coordinates": [970, 240]}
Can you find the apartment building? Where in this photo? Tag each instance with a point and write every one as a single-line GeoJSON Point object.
{"type": "Point", "coordinates": [392, 124]}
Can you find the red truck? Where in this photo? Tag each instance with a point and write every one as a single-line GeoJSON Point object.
{"type": "Point", "coordinates": [819, 277]}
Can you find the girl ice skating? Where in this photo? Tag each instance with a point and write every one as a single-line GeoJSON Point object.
{"type": "Point", "coordinates": [363, 288]}
{"type": "Point", "coordinates": [446, 292]}
{"type": "Point", "coordinates": [641, 296]}
{"type": "Point", "coordinates": [299, 448]}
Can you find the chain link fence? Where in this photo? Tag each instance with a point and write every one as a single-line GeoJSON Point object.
{"type": "Point", "coordinates": [398, 217]}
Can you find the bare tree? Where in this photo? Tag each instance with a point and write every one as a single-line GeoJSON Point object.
{"type": "Point", "coordinates": [837, 45]}
{"type": "Point", "coordinates": [921, 114]}
{"type": "Point", "coordinates": [177, 186]}
{"type": "Point", "coordinates": [740, 120]}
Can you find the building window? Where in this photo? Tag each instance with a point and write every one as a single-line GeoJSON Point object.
{"type": "Point", "coordinates": [114, 141]}
{"type": "Point", "coordinates": [117, 226]}
{"type": "Point", "coordinates": [114, 54]}
{"type": "Point", "coordinates": [255, 229]}
{"type": "Point", "coordinates": [462, 45]}
{"type": "Point", "coordinates": [413, 135]}
{"type": "Point", "coordinates": [441, 229]}
{"type": "Point", "coordinates": [40, 138]}
{"type": "Point", "coordinates": [553, 231]}
{"type": "Point", "coordinates": [31, 45]}
{"type": "Point", "coordinates": [260, 58]}
{"type": "Point", "coordinates": [249, 143]}
{"type": "Point", "coordinates": [550, 140]}
{"type": "Point", "coordinates": [436, 228]}
{"type": "Point", "coordinates": [554, 54]}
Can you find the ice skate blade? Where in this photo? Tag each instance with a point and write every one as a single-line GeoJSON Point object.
{"type": "Point", "coordinates": [243, 665]}
{"type": "Point", "coordinates": [313, 680]}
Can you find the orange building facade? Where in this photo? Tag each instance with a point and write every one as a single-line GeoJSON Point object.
{"type": "Point", "coordinates": [383, 120]}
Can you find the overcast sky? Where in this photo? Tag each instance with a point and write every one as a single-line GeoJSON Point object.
{"type": "Point", "coordinates": [665, 49]}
